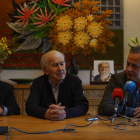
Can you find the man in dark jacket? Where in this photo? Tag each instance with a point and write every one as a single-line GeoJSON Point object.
{"type": "Point", "coordinates": [8, 104]}
{"type": "Point", "coordinates": [56, 95]}
{"type": "Point", "coordinates": [132, 73]}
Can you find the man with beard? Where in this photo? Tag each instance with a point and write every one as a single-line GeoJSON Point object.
{"type": "Point", "coordinates": [131, 73]}
{"type": "Point", "coordinates": [56, 95]}
{"type": "Point", "coordinates": [104, 72]}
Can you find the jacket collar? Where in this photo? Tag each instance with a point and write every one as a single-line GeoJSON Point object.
{"type": "Point", "coordinates": [65, 80]}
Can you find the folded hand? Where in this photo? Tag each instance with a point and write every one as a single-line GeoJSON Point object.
{"type": "Point", "coordinates": [55, 112]}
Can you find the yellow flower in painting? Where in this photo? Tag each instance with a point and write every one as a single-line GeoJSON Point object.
{"type": "Point", "coordinates": [93, 42]}
{"type": "Point", "coordinates": [95, 29]}
{"type": "Point", "coordinates": [5, 46]}
{"type": "Point", "coordinates": [90, 17]}
{"type": "Point", "coordinates": [1, 45]}
{"type": "Point", "coordinates": [81, 39]}
{"type": "Point", "coordinates": [9, 52]}
{"type": "Point", "coordinates": [64, 23]}
{"type": "Point", "coordinates": [4, 49]}
{"type": "Point", "coordinates": [4, 40]}
{"type": "Point", "coordinates": [87, 29]}
{"type": "Point", "coordinates": [64, 37]}
{"type": "Point", "coordinates": [80, 23]}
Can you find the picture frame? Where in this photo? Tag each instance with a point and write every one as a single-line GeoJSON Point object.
{"type": "Point", "coordinates": [103, 69]}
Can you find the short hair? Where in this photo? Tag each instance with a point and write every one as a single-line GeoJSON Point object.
{"type": "Point", "coordinates": [99, 65]}
{"type": "Point", "coordinates": [45, 57]}
{"type": "Point", "coordinates": [135, 50]}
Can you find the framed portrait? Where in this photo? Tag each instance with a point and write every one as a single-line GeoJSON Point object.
{"type": "Point", "coordinates": [103, 69]}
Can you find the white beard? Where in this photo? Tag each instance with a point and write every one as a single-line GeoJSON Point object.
{"type": "Point", "coordinates": [104, 75]}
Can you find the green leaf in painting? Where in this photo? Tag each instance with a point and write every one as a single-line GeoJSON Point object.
{"type": "Point", "coordinates": [41, 34]}
{"type": "Point", "coordinates": [45, 27]}
{"type": "Point", "coordinates": [27, 27]}
{"type": "Point", "coordinates": [52, 7]}
{"type": "Point", "coordinates": [62, 10]}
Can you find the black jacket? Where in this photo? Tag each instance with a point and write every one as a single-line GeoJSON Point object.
{"type": "Point", "coordinates": [7, 98]}
{"type": "Point", "coordinates": [70, 95]}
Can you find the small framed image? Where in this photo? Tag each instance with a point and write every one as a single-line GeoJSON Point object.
{"type": "Point", "coordinates": [103, 69]}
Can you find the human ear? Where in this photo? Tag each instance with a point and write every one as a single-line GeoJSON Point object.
{"type": "Point", "coordinates": [45, 70]}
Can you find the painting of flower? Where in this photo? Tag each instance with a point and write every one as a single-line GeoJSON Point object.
{"type": "Point", "coordinates": [25, 14]}
{"type": "Point", "coordinates": [43, 18]}
{"type": "Point", "coordinates": [88, 30]}
{"type": "Point", "coordinates": [62, 26]}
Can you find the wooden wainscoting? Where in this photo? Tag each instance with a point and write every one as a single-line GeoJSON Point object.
{"type": "Point", "coordinates": [21, 93]}
{"type": "Point", "coordinates": [94, 94]}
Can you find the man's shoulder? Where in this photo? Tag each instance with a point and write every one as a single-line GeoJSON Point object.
{"type": "Point", "coordinates": [42, 77]}
{"type": "Point", "coordinates": [120, 74]}
{"type": "Point", "coordinates": [5, 85]}
{"type": "Point", "coordinates": [97, 78]}
{"type": "Point", "coordinates": [120, 77]}
{"type": "Point", "coordinates": [71, 78]}
{"type": "Point", "coordinates": [98, 75]}
{"type": "Point", "coordinates": [41, 80]}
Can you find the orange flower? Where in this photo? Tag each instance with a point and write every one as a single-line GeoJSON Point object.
{"type": "Point", "coordinates": [43, 18]}
{"type": "Point", "coordinates": [61, 2]}
{"type": "Point", "coordinates": [25, 14]}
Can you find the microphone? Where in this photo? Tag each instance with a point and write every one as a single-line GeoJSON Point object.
{"type": "Point", "coordinates": [129, 88]}
{"type": "Point", "coordinates": [117, 98]}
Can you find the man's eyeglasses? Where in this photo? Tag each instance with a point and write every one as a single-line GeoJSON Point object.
{"type": "Point", "coordinates": [104, 67]}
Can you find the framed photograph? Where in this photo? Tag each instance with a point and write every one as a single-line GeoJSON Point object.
{"type": "Point", "coordinates": [103, 69]}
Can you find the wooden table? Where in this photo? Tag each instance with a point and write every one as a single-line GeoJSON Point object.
{"type": "Point", "coordinates": [96, 131]}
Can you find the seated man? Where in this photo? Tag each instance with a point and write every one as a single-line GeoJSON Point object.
{"type": "Point", "coordinates": [132, 73]}
{"type": "Point", "coordinates": [56, 95]}
{"type": "Point", "coordinates": [8, 104]}
{"type": "Point", "coordinates": [104, 72]}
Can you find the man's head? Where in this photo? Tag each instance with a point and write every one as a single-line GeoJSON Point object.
{"type": "Point", "coordinates": [53, 64]}
{"type": "Point", "coordinates": [133, 65]}
{"type": "Point", "coordinates": [104, 70]}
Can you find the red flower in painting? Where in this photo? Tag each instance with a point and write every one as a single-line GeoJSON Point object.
{"type": "Point", "coordinates": [61, 2]}
{"type": "Point", "coordinates": [25, 14]}
{"type": "Point", "coordinates": [43, 18]}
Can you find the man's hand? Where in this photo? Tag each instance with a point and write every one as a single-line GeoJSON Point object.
{"type": "Point", "coordinates": [137, 112]}
{"type": "Point", "coordinates": [1, 111]}
{"type": "Point", "coordinates": [55, 112]}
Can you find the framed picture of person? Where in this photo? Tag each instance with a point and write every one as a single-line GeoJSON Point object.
{"type": "Point", "coordinates": [103, 69]}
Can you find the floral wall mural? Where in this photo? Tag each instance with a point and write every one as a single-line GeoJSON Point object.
{"type": "Point", "coordinates": [74, 28]}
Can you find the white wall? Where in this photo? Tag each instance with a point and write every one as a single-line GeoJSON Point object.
{"type": "Point", "coordinates": [31, 74]}
{"type": "Point", "coordinates": [131, 29]}
{"type": "Point", "coordinates": [131, 23]}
